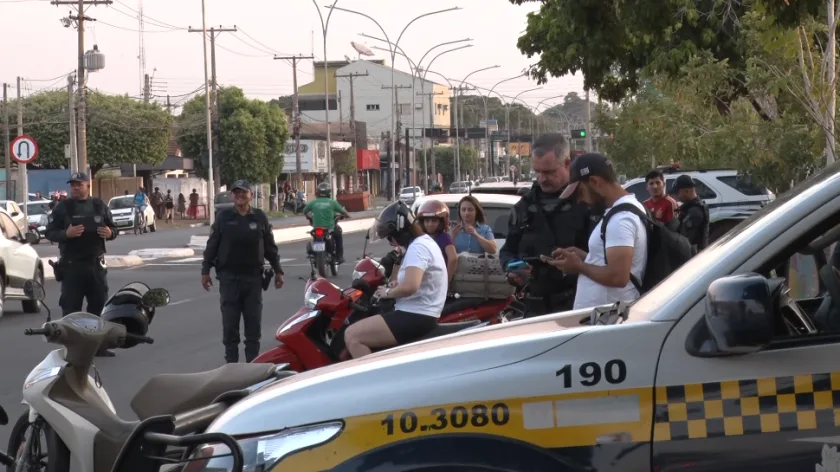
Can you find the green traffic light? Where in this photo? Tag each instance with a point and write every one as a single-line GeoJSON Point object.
{"type": "Point", "coordinates": [583, 134]}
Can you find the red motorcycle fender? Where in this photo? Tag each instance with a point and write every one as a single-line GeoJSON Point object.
{"type": "Point", "coordinates": [280, 354]}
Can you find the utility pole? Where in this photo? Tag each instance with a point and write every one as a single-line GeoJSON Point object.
{"type": "Point", "coordinates": [214, 99]}
{"type": "Point", "coordinates": [352, 76]}
{"type": "Point", "coordinates": [71, 117]}
{"type": "Point", "coordinates": [80, 19]}
{"type": "Point", "coordinates": [296, 112]}
{"type": "Point", "coordinates": [431, 137]}
{"type": "Point", "coordinates": [457, 93]}
{"type": "Point", "coordinates": [147, 89]}
{"type": "Point", "coordinates": [395, 135]}
{"type": "Point", "coordinates": [6, 150]}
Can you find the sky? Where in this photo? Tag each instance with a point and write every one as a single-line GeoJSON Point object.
{"type": "Point", "coordinates": [42, 51]}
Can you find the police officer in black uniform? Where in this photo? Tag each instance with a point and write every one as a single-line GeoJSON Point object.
{"type": "Point", "coordinates": [81, 225]}
{"type": "Point", "coordinates": [693, 215]}
{"type": "Point", "coordinates": [540, 223]}
{"type": "Point", "coordinates": [240, 241]}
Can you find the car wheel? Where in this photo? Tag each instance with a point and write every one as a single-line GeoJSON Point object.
{"type": "Point", "coordinates": [153, 227]}
{"type": "Point", "coordinates": [2, 295]}
{"type": "Point", "coordinates": [32, 306]}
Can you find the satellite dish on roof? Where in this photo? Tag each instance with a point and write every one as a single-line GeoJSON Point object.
{"type": "Point", "coordinates": [361, 49]}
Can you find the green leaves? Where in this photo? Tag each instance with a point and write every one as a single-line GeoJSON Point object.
{"type": "Point", "coordinates": [445, 162]}
{"type": "Point", "coordinates": [252, 135]}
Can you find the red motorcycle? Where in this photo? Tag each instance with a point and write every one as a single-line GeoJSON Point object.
{"type": "Point", "coordinates": [314, 336]}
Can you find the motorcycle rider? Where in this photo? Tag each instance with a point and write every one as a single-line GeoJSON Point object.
{"type": "Point", "coordinates": [322, 212]}
{"type": "Point", "coordinates": [433, 215]}
{"type": "Point", "coordinates": [541, 222]}
{"type": "Point", "coordinates": [417, 294]}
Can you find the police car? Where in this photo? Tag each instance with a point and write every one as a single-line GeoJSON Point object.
{"type": "Point", "coordinates": [730, 197]}
{"type": "Point", "coordinates": [703, 373]}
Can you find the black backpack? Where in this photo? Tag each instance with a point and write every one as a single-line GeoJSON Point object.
{"type": "Point", "coordinates": [667, 250]}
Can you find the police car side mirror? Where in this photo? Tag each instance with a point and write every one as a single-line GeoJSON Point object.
{"type": "Point", "coordinates": [740, 312]}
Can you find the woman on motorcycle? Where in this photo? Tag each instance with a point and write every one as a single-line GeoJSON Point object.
{"type": "Point", "coordinates": [433, 215]}
{"type": "Point", "coordinates": [417, 294]}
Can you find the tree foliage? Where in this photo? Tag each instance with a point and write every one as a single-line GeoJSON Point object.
{"type": "Point", "coordinates": [120, 130]}
{"type": "Point", "coordinates": [344, 161]}
{"type": "Point", "coordinates": [445, 162]}
{"type": "Point", "coordinates": [252, 136]}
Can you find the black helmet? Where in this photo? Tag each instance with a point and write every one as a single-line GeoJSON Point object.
{"type": "Point", "coordinates": [394, 223]}
{"type": "Point", "coordinates": [324, 190]}
{"type": "Point", "coordinates": [124, 308]}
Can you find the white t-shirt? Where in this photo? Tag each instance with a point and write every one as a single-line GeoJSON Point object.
{"type": "Point", "coordinates": [624, 230]}
{"type": "Point", "coordinates": [424, 253]}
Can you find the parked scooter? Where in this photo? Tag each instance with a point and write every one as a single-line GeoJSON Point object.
{"type": "Point", "coordinates": [73, 410]}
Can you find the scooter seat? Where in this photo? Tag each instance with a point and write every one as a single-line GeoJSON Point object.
{"type": "Point", "coordinates": [448, 328]}
{"type": "Point", "coordinates": [461, 304]}
{"type": "Point", "coordinates": [168, 394]}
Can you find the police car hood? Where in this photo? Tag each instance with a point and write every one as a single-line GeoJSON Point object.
{"type": "Point", "coordinates": [392, 379]}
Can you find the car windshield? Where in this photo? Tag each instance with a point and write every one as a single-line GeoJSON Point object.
{"type": "Point", "coordinates": [649, 305]}
{"type": "Point", "coordinates": [121, 203]}
{"type": "Point", "coordinates": [223, 197]}
{"type": "Point", "coordinates": [37, 208]}
{"type": "Point", "coordinates": [410, 190]}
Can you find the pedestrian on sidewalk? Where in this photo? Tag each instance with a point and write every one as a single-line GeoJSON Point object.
{"type": "Point", "coordinates": [193, 211]}
{"type": "Point", "coordinates": [169, 205]}
{"type": "Point", "coordinates": [157, 203]}
{"type": "Point", "coordinates": [241, 240]}
{"type": "Point", "coordinates": [182, 205]}
{"type": "Point", "coordinates": [81, 225]}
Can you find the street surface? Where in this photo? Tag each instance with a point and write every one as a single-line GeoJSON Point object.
{"type": "Point", "coordinates": [187, 332]}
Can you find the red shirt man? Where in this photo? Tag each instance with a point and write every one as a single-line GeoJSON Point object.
{"type": "Point", "coordinates": [661, 206]}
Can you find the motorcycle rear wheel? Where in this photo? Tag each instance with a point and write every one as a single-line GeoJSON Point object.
{"type": "Point", "coordinates": [57, 455]}
{"type": "Point", "coordinates": [321, 264]}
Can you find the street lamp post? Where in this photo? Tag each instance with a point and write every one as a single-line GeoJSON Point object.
{"type": "Point", "coordinates": [324, 27]}
{"type": "Point", "coordinates": [487, 125]}
{"type": "Point", "coordinates": [393, 187]}
{"type": "Point", "coordinates": [507, 122]}
{"type": "Point", "coordinates": [457, 131]}
{"type": "Point", "coordinates": [415, 73]}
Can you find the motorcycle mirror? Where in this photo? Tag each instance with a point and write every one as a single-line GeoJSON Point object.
{"type": "Point", "coordinates": [4, 418]}
{"type": "Point", "coordinates": [34, 290]}
{"type": "Point", "coordinates": [156, 298]}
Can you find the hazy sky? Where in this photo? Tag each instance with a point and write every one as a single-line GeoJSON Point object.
{"type": "Point", "coordinates": [38, 48]}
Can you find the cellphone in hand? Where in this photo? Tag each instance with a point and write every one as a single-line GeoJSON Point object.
{"type": "Point", "coordinates": [517, 265]}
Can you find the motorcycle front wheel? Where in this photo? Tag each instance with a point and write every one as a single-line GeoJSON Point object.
{"type": "Point", "coordinates": [56, 457]}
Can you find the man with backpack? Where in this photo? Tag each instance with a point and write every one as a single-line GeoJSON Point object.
{"type": "Point", "coordinates": [629, 252]}
{"type": "Point", "coordinates": [693, 214]}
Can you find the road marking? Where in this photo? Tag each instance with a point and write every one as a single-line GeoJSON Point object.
{"type": "Point", "coordinates": [181, 301]}
{"type": "Point", "coordinates": [190, 259]}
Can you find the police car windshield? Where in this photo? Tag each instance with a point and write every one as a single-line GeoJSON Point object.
{"type": "Point", "coordinates": [120, 203]}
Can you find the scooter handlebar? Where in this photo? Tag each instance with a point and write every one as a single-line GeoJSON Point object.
{"type": "Point", "coordinates": [36, 331]}
{"type": "Point", "coordinates": [139, 339]}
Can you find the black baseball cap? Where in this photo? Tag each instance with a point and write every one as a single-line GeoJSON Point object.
{"type": "Point", "coordinates": [683, 181]}
{"type": "Point", "coordinates": [78, 177]}
{"type": "Point", "coordinates": [241, 185]}
{"type": "Point", "coordinates": [585, 166]}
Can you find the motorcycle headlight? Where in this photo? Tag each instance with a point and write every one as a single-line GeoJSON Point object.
{"type": "Point", "coordinates": [262, 453]}
{"type": "Point", "coordinates": [310, 298]}
{"type": "Point", "coordinates": [299, 319]}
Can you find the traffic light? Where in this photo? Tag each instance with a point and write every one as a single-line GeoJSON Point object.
{"type": "Point", "coordinates": [578, 133]}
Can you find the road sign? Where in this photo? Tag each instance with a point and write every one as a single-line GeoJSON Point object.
{"type": "Point", "coordinates": [24, 149]}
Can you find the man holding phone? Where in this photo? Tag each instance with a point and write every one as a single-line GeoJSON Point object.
{"type": "Point", "coordinates": [81, 225]}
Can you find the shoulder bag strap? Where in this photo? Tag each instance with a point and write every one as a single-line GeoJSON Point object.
{"type": "Point", "coordinates": [617, 209]}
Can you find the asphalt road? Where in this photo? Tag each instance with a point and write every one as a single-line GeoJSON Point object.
{"type": "Point", "coordinates": [187, 332]}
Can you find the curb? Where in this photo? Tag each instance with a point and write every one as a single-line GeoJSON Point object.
{"type": "Point", "coordinates": [155, 253]}
{"type": "Point", "coordinates": [112, 261]}
{"type": "Point", "coordinates": [294, 233]}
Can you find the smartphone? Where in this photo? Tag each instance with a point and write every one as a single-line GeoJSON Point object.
{"type": "Point", "coordinates": [516, 265]}
{"type": "Point", "coordinates": [532, 260]}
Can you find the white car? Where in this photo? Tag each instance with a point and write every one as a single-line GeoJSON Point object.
{"type": "Point", "coordinates": [13, 209]}
{"type": "Point", "coordinates": [462, 186]}
{"type": "Point", "coordinates": [38, 211]}
{"type": "Point", "coordinates": [18, 263]}
{"type": "Point", "coordinates": [496, 209]}
{"type": "Point", "coordinates": [122, 210]}
{"type": "Point", "coordinates": [409, 195]}
{"type": "Point", "coordinates": [731, 198]}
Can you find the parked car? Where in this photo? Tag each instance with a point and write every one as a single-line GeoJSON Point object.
{"type": "Point", "coordinates": [731, 197]}
{"type": "Point", "coordinates": [122, 210]}
{"type": "Point", "coordinates": [409, 195]}
{"type": "Point", "coordinates": [18, 263]}
{"type": "Point", "coordinates": [223, 200]}
{"type": "Point", "coordinates": [462, 186]}
{"type": "Point", "coordinates": [503, 188]}
{"type": "Point", "coordinates": [11, 207]}
{"type": "Point", "coordinates": [38, 211]}
{"type": "Point", "coordinates": [496, 209]}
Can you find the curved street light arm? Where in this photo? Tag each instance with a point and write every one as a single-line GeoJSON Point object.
{"type": "Point", "coordinates": [399, 52]}
{"type": "Point", "coordinates": [524, 92]}
{"type": "Point", "coordinates": [477, 71]}
{"type": "Point", "coordinates": [333, 7]}
{"type": "Point", "coordinates": [429, 65]}
{"type": "Point", "coordinates": [441, 45]}
{"type": "Point", "coordinates": [426, 71]}
{"type": "Point", "coordinates": [422, 16]}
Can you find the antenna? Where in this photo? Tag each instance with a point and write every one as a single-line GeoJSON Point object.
{"type": "Point", "coordinates": [141, 53]}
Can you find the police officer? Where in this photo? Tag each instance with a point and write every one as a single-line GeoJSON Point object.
{"type": "Point", "coordinates": [81, 225]}
{"type": "Point", "coordinates": [240, 240]}
{"type": "Point", "coordinates": [693, 215]}
{"type": "Point", "coordinates": [541, 222]}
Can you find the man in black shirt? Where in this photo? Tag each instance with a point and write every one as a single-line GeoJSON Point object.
{"type": "Point", "coordinates": [542, 222]}
{"type": "Point", "coordinates": [81, 225]}
{"type": "Point", "coordinates": [693, 215]}
{"type": "Point", "coordinates": [240, 241]}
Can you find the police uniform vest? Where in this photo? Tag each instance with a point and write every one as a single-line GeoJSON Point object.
{"type": "Point", "coordinates": [89, 246]}
{"type": "Point", "coordinates": [241, 244]}
{"type": "Point", "coordinates": [701, 240]}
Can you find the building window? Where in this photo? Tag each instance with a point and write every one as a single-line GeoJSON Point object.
{"type": "Point", "coordinates": [373, 107]}
{"type": "Point", "coordinates": [316, 105]}
{"type": "Point", "coordinates": [405, 109]}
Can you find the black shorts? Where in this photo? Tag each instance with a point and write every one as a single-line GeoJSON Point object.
{"type": "Point", "coordinates": [408, 327]}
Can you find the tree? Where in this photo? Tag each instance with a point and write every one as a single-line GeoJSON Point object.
{"type": "Point", "coordinates": [120, 130]}
{"type": "Point", "coordinates": [344, 161]}
{"type": "Point", "coordinates": [252, 136]}
{"type": "Point", "coordinates": [445, 162]}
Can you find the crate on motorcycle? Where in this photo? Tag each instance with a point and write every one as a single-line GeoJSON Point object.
{"type": "Point", "coordinates": [480, 276]}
